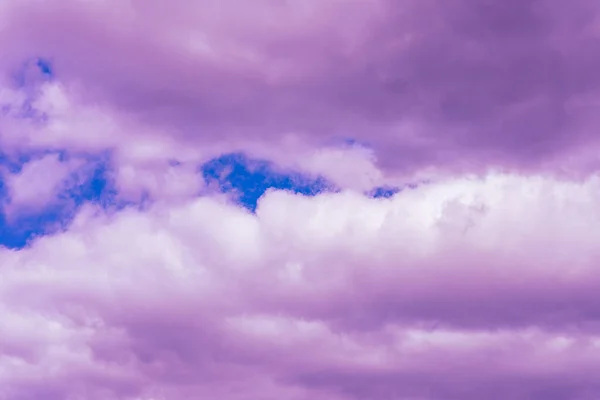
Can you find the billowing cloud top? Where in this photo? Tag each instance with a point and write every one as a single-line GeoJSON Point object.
{"type": "Point", "coordinates": [299, 199]}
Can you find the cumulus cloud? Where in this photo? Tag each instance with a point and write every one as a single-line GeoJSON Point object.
{"type": "Point", "coordinates": [460, 290]}
{"type": "Point", "coordinates": [352, 167]}
{"type": "Point", "coordinates": [38, 183]}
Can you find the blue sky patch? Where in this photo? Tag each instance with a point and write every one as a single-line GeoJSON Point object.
{"type": "Point", "coordinates": [248, 179]}
{"type": "Point", "coordinates": [45, 68]}
{"type": "Point", "coordinates": [245, 179]}
{"type": "Point", "coordinates": [33, 72]}
{"type": "Point", "coordinates": [383, 192]}
{"type": "Point", "coordinates": [90, 184]}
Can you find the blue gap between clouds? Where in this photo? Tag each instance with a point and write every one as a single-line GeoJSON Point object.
{"type": "Point", "coordinates": [33, 72]}
{"type": "Point", "coordinates": [90, 184]}
{"type": "Point", "coordinates": [45, 67]}
{"type": "Point", "coordinates": [383, 192]}
{"type": "Point", "coordinates": [28, 78]}
{"type": "Point", "coordinates": [246, 179]}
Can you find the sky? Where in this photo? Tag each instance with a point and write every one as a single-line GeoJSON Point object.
{"type": "Point", "coordinates": [299, 199]}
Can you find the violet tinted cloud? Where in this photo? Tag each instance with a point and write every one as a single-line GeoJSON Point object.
{"type": "Point", "coordinates": [299, 200]}
{"type": "Point", "coordinates": [430, 294]}
{"type": "Point", "coordinates": [459, 84]}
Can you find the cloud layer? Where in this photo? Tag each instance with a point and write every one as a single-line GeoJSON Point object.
{"type": "Point", "coordinates": [460, 85]}
{"type": "Point", "coordinates": [383, 200]}
{"type": "Point", "coordinates": [458, 290]}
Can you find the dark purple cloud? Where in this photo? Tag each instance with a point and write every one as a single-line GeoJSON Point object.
{"type": "Point", "coordinates": [472, 83]}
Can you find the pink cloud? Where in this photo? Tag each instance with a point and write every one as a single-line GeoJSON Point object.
{"type": "Point", "coordinates": [461, 87]}
{"type": "Point", "coordinates": [466, 288]}
{"type": "Point", "coordinates": [37, 184]}
{"type": "Point", "coordinates": [481, 284]}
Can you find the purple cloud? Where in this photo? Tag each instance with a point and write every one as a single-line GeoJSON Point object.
{"type": "Point", "coordinates": [481, 282]}
{"type": "Point", "coordinates": [472, 84]}
{"type": "Point", "coordinates": [345, 297]}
